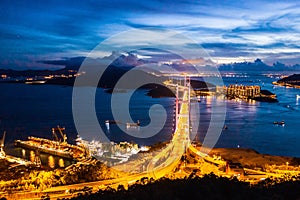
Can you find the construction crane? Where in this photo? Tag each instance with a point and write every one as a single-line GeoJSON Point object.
{"type": "Point", "coordinates": [60, 130]}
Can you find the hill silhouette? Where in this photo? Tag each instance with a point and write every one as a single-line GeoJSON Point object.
{"type": "Point", "coordinates": [210, 187]}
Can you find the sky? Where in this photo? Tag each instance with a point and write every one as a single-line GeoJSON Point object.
{"type": "Point", "coordinates": [230, 31]}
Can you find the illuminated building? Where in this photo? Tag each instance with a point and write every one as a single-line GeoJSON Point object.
{"type": "Point", "coordinates": [235, 169]}
{"type": "Point", "coordinates": [241, 91]}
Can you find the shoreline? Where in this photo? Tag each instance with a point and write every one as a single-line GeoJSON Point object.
{"type": "Point", "coordinates": [287, 85]}
{"type": "Point", "coordinates": [251, 158]}
{"type": "Point", "coordinates": [240, 154]}
{"type": "Point", "coordinates": [254, 166]}
{"type": "Point", "coordinates": [292, 81]}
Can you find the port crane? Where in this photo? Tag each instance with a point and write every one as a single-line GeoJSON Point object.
{"type": "Point", "coordinates": [63, 136]}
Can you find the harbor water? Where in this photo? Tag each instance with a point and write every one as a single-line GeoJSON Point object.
{"type": "Point", "coordinates": [32, 110]}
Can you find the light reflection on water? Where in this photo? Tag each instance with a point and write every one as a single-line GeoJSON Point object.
{"type": "Point", "coordinates": [250, 125]}
{"type": "Point", "coordinates": [34, 110]}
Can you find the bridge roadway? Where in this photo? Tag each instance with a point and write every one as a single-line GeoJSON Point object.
{"type": "Point", "coordinates": [160, 165]}
{"type": "Point", "coordinates": [168, 159]}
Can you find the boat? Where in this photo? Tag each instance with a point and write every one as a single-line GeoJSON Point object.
{"type": "Point", "coordinates": [112, 122]}
{"type": "Point", "coordinates": [107, 124]}
{"type": "Point", "coordinates": [129, 125]}
{"type": "Point", "coordinates": [198, 99]}
{"type": "Point", "coordinates": [282, 123]}
{"type": "Point", "coordinates": [35, 82]}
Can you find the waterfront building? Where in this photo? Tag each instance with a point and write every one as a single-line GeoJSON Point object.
{"type": "Point", "coordinates": [241, 91]}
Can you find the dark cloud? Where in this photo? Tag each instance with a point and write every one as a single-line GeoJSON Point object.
{"type": "Point", "coordinates": [66, 62]}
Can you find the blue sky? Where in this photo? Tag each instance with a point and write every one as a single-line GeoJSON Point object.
{"type": "Point", "coordinates": [230, 31]}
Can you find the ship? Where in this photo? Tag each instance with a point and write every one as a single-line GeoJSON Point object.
{"type": "Point", "coordinates": [225, 127]}
{"type": "Point", "coordinates": [35, 82]}
{"type": "Point", "coordinates": [57, 147]}
{"type": "Point", "coordinates": [133, 125]}
{"type": "Point", "coordinates": [282, 123]}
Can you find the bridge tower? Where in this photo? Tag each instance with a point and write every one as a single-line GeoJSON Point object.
{"type": "Point", "coordinates": [188, 85]}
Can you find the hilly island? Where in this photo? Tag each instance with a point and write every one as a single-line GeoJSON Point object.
{"type": "Point", "coordinates": [119, 64]}
{"type": "Point", "coordinates": [290, 81]}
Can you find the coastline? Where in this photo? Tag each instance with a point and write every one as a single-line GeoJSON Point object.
{"type": "Point", "coordinates": [256, 167]}
{"type": "Point", "coordinates": [284, 84]}
{"type": "Point", "coordinates": [251, 158]}
{"type": "Point", "coordinates": [292, 81]}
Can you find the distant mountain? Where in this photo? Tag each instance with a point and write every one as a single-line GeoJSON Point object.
{"type": "Point", "coordinates": [117, 59]}
{"type": "Point", "coordinates": [71, 65]}
{"type": "Point", "coordinates": [121, 62]}
{"type": "Point", "coordinates": [258, 65]}
{"type": "Point", "coordinates": [32, 73]}
{"type": "Point", "coordinates": [124, 60]}
{"type": "Point", "coordinates": [118, 65]}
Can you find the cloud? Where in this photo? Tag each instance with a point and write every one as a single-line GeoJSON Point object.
{"type": "Point", "coordinates": [226, 29]}
{"type": "Point", "coordinates": [66, 62]}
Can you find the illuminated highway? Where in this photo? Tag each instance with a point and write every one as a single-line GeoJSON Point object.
{"type": "Point", "coordinates": [168, 159]}
{"type": "Point", "coordinates": [163, 163]}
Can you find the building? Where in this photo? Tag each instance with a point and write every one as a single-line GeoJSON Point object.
{"type": "Point", "coordinates": [240, 91]}
{"type": "Point", "coordinates": [235, 169]}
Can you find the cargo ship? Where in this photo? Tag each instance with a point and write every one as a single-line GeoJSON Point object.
{"type": "Point", "coordinates": [57, 147]}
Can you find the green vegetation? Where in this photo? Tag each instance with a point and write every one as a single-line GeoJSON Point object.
{"type": "Point", "coordinates": [76, 173]}
{"type": "Point", "coordinates": [252, 159]}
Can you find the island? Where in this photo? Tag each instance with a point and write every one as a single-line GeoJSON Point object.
{"type": "Point", "coordinates": [246, 92]}
{"type": "Point", "coordinates": [289, 81]}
